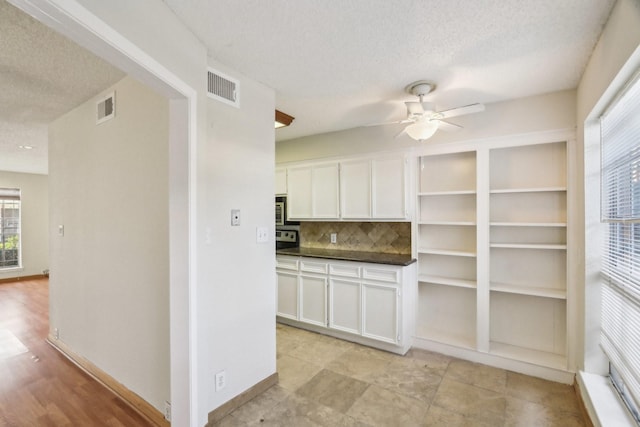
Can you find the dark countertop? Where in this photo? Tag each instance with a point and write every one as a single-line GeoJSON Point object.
{"type": "Point", "coordinates": [373, 257]}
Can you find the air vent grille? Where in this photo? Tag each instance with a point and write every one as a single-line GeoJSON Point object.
{"type": "Point", "coordinates": [223, 88]}
{"type": "Point", "coordinates": [105, 108]}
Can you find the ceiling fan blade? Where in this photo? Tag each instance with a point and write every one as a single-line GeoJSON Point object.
{"type": "Point", "coordinates": [459, 111]}
{"type": "Point", "coordinates": [414, 108]}
{"type": "Point", "coordinates": [449, 127]}
{"type": "Point", "coordinates": [403, 132]}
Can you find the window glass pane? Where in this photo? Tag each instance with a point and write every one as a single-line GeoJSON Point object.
{"type": "Point", "coordinates": [620, 210]}
{"type": "Point", "coordinates": [9, 228]}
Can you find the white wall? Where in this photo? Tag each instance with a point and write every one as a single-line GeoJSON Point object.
{"type": "Point", "coordinates": [236, 296]}
{"type": "Point", "coordinates": [109, 283]}
{"type": "Point", "coordinates": [533, 114]}
{"type": "Point", "coordinates": [145, 39]}
{"type": "Point", "coordinates": [615, 58]}
{"type": "Point", "coordinates": [34, 198]}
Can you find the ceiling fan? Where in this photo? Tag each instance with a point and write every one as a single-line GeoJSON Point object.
{"type": "Point", "coordinates": [424, 119]}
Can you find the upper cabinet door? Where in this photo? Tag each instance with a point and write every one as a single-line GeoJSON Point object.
{"type": "Point", "coordinates": [325, 191]}
{"type": "Point", "coordinates": [355, 189]}
{"type": "Point", "coordinates": [389, 188]}
{"type": "Point", "coordinates": [281, 181]}
{"type": "Point", "coordinates": [299, 203]}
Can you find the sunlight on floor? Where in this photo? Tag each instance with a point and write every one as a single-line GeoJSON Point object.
{"type": "Point", "coordinates": [10, 345]}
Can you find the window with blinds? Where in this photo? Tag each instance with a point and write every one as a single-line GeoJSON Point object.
{"type": "Point", "coordinates": [620, 187]}
{"type": "Point", "coordinates": [9, 228]}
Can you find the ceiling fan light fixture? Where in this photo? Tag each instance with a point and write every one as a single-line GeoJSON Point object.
{"type": "Point", "coordinates": [422, 130]}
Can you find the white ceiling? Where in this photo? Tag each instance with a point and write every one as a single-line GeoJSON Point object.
{"type": "Point", "coordinates": [42, 75]}
{"type": "Point", "coordinates": [334, 64]}
{"type": "Point", "coordinates": [338, 64]}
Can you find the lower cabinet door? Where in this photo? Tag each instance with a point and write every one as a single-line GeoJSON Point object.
{"type": "Point", "coordinates": [344, 306]}
{"type": "Point", "coordinates": [380, 312]}
{"type": "Point", "coordinates": [287, 289]}
{"type": "Point", "coordinates": [313, 300]}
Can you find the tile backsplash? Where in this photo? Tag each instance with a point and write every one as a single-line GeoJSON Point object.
{"type": "Point", "coordinates": [385, 237]}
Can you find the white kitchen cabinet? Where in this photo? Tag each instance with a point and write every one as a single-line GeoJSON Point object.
{"type": "Point", "coordinates": [287, 291]}
{"type": "Point", "coordinates": [388, 187]}
{"type": "Point", "coordinates": [372, 304]}
{"type": "Point", "coordinates": [355, 189]}
{"type": "Point", "coordinates": [313, 299]}
{"type": "Point", "coordinates": [380, 312]}
{"type": "Point", "coordinates": [373, 188]}
{"type": "Point", "coordinates": [369, 188]}
{"type": "Point", "coordinates": [281, 181]}
{"type": "Point", "coordinates": [344, 305]}
{"type": "Point", "coordinates": [325, 191]}
{"type": "Point", "coordinates": [299, 196]}
{"type": "Point", "coordinates": [313, 191]}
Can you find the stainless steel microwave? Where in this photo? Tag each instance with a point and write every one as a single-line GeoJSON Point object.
{"type": "Point", "coordinates": [281, 212]}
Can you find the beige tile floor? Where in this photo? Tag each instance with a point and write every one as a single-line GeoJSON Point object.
{"type": "Point", "coordinates": [329, 382]}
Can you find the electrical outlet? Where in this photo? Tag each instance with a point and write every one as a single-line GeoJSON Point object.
{"type": "Point", "coordinates": [221, 380]}
{"type": "Point", "coordinates": [167, 411]}
{"type": "Point", "coordinates": [61, 230]}
{"type": "Point", "coordinates": [56, 333]}
{"type": "Point", "coordinates": [334, 237]}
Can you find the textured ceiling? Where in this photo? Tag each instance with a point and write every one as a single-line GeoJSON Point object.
{"type": "Point", "coordinates": [42, 75]}
{"type": "Point", "coordinates": [335, 64]}
{"type": "Point", "coordinates": [338, 64]}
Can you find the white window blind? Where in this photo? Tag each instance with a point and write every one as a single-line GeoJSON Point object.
{"type": "Point", "coordinates": [620, 186]}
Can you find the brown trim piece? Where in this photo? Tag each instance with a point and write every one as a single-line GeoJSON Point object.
{"type": "Point", "coordinates": [137, 403]}
{"type": "Point", "coordinates": [226, 408]}
{"type": "Point", "coordinates": [284, 118]}
{"type": "Point", "coordinates": [583, 408]}
{"type": "Point", "coordinates": [22, 278]}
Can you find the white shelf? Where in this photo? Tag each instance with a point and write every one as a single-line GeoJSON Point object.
{"type": "Point", "coordinates": [527, 190]}
{"type": "Point", "coordinates": [528, 224]}
{"type": "Point", "coordinates": [528, 246]}
{"type": "Point", "coordinates": [447, 281]}
{"type": "Point", "coordinates": [446, 193]}
{"type": "Point", "coordinates": [537, 357]}
{"type": "Point", "coordinates": [466, 223]}
{"type": "Point", "coordinates": [530, 291]}
{"type": "Point", "coordinates": [446, 338]}
{"type": "Point", "coordinates": [435, 251]}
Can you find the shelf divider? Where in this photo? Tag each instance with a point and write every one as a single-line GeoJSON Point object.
{"type": "Point", "coordinates": [528, 246]}
{"type": "Point", "coordinates": [527, 190]}
{"type": "Point", "coordinates": [447, 281]}
{"type": "Point", "coordinates": [529, 291]}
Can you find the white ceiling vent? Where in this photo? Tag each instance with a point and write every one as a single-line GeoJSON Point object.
{"type": "Point", "coordinates": [223, 88]}
{"type": "Point", "coordinates": [106, 108]}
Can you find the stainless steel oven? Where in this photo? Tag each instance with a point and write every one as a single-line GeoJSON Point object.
{"type": "Point", "coordinates": [281, 212]}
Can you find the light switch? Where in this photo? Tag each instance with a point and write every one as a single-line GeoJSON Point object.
{"type": "Point", "coordinates": [262, 234]}
{"type": "Point", "coordinates": [235, 217]}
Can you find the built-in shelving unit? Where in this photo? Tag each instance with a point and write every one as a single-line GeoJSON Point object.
{"type": "Point", "coordinates": [492, 251]}
{"type": "Point", "coordinates": [528, 260]}
{"type": "Point", "coordinates": [447, 248]}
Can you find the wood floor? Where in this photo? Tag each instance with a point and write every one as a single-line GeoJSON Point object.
{"type": "Point", "coordinates": [40, 387]}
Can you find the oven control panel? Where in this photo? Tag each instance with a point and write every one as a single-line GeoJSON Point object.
{"type": "Point", "coordinates": [286, 236]}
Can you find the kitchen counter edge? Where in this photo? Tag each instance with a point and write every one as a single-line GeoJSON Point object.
{"type": "Point", "coordinates": [356, 256]}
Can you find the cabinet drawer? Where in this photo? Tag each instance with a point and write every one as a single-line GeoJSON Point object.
{"type": "Point", "coordinates": [381, 274]}
{"type": "Point", "coordinates": [314, 267]}
{"type": "Point", "coordinates": [287, 263]}
{"type": "Point", "coordinates": [344, 270]}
